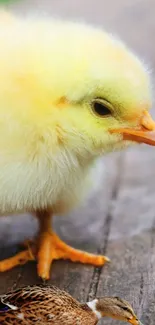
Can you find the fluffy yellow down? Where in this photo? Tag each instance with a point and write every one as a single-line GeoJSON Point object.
{"type": "Point", "coordinates": [50, 71]}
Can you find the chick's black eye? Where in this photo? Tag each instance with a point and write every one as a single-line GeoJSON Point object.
{"type": "Point", "coordinates": [101, 108]}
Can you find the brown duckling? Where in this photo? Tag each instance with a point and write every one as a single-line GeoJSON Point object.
{"type": "Point", "coordinates": [47, 305]}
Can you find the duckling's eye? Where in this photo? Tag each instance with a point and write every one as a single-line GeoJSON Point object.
{"type": "Point", "coordinates": [3, 307]}
{"type": "Point", "coordinates": [101, 107]}
{"type": "Point", "coordinates": [126, 309]}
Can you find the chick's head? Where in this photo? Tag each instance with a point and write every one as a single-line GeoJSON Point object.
{"type": "Point", "coordinates": [84, 85]}
{"type": "Point", "coordinates": [102, 93]}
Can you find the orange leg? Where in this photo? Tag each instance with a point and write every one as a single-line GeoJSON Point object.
{"type": "Point", "coordinates": [49, 248]}
{"type": "Point", "coordinates": [53, 248]}
{"type": "Point", "coordinates": [19, 259]}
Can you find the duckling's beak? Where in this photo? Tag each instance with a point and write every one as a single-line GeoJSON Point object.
{"type": "Point", "coordinates": [143, 133]}
{"type": "Point", "coordinates": [135, 321]}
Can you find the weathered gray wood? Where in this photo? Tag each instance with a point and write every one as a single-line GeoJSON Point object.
{"type": "Point", "coordinates": [131, 244]}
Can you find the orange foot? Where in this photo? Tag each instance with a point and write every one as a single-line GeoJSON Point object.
{"type": "Point", "coordinates": [51, 248]}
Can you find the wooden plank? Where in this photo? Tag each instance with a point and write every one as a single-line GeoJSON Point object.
{"type": "Point", "coordinates": [131, 242]}
{"type": "Point", "coordinates": [12, 231]}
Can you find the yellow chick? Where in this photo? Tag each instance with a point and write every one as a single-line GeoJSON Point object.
{"type": "Point", "coordinates": [68, 93]}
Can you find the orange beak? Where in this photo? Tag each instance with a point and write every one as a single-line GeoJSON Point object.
{"type": "Point", "coordinates": [135, 322]}
{"type": "Point", "coordinates": [144, 133]}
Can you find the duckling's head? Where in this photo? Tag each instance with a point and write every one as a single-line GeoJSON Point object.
{"type": "Point", "coordinates": [114, 307]}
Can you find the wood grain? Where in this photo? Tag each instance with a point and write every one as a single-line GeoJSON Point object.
{"type": "Point", "coordinates": [131, 244]}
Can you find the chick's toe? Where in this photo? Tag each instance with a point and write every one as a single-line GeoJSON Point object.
{"type": "Point", "coordinates": [51, 248]}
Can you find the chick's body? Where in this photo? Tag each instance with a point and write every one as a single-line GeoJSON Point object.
{"type": "Point", "coordinates": [39, 167]}
{"type": "Point", "coordinates": [46, 149]}
{"type": "Point", "coordinates": [50, 72]}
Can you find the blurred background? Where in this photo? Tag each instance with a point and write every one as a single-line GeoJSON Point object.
{"type": "Point", "coordinates": [119, 216]}
{"type": "Point", "coordinates": [132, 20]}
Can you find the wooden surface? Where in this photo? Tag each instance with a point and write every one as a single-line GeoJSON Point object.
{"type": "Point", "coordinates": [119, 218]}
